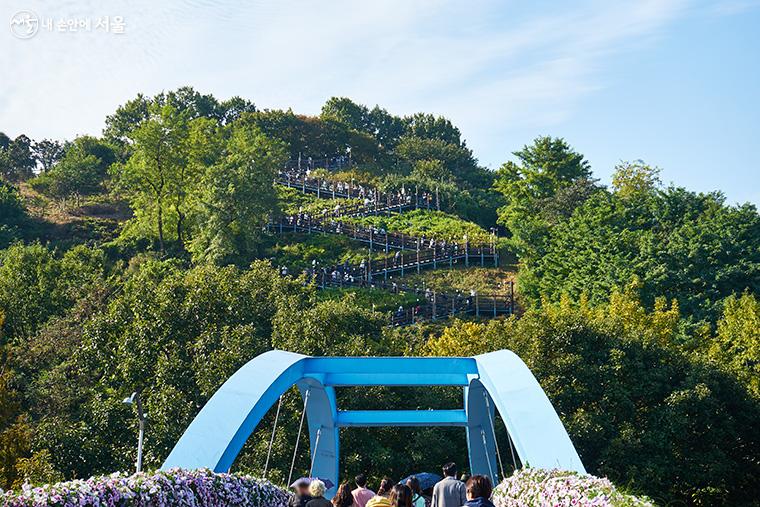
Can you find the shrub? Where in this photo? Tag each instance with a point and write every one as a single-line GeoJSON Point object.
{"type": "Point", "coordinates": [12, 213]}
{"type": "Point", "coordinates": [535, 486]}
{"type": "Point", "coordinates": [173, 487]}
{"type": "Point", "coordinates": [11, 207]}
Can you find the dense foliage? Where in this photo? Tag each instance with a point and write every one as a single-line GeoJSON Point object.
{"type": "Point", "coordinates": [576, 238]}
{"type": "Point", "coordinates": [80, 170]}
{"type": "Point", "coordinates": [12, 213]}
{"type": "Point", "coordinates": [140, 260]}
{"type": "Point", "coordinates": [681, 245]}
{"type": "Point", "coordinates": [640, 410]}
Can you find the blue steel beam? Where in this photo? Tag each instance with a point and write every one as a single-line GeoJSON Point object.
{"type": "Point", "coordinates": [368, 418]}
{"type": "Point", "coordinates": [406, 379]}
{"type": "Point", "coordinates": [382, 367]}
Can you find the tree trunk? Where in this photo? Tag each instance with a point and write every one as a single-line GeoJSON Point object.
{"type": "Point", "coordinates": [161, 224]}
{"type": "Point", "coordinates": [180, 218]}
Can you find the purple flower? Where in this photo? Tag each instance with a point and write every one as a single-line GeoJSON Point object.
{"type": "Point", "coordinates": [557, 488]}
{"type": "Point", "coordinates": [191, 488]}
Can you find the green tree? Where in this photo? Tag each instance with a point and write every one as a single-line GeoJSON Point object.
{"type": "Point", "coordinates": [332, 328]}
{"type": "Point", "coordinates": [47, 152]}
{"type": "Point", "coordinates": [737, 344]}
{"type": "Point", "coordinates": [632, 179]}
{"type": "Point", "coordinates": [316, 137]}
{"type": "Point", "coordinates": [432, 170]}
{"type": "Point", "coordinates": [15, 432]}
{"type": "Point", "coordinates": [126, 118]}
{"type": "Point", "coordinates": [546, 184]}
{"type": "Point", "coordinates": [36, 285]}
{"type": "Point", "coordinates": [428, 126]}
{"type": "Point", "coordinates": [683, 245]}
{"type": "Point", "coordinates": [17, 160]}
{"type": "Point", "coordinates": [81, 171]}
{"type": "Point", "coordinates": [377, 122]}
{"type": "Point", "coordinates": [156, 173]}
{"type": "Point", "coordinates": [347, 111]}
{"type": "Point", "coordinates": [236, 196]}
{"type": "Point", "coordinates": [545, 166]}
{"type": "Point", "coordinates": [11, 207]}
{"type": "Point", "coordinates": [457, 160]}
{"type": "Point", "coordinates": [186, 100]}
{"type": "Point", "coordinates": [28, 288]}
{"type": "Point", "coordinates": [174, 334]}
{"type": "Point", "coordinates": [12, 213]}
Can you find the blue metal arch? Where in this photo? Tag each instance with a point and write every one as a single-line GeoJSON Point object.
{"type": "Point", "coordinates": [539, 437]}
{"type": "Point", "coordinates": [494, 381]}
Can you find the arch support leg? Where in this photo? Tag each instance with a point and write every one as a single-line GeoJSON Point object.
{"type": "Point", "coordinates": [480, 432]}
{"type": "Point", "coordinates": [321, 414]}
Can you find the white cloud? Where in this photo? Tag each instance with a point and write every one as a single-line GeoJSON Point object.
{"type": "Point", "coordinates": [484, 64]}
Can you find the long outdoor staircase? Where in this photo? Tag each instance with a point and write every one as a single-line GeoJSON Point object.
{"type": "Point", "coordinates": [402, 254]}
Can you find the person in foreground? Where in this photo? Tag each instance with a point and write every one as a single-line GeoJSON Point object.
{"type": "Point", "coordinates": [381, 499]}
{"type": "Point", "coordinates": [418, 500]}
{"type": "Point", "coordinates": [344, 497]}
{"type": "Point", "coordinates": [400, 496]}
{"type": "Point", "coordinates": [449, 492]}
{"type": "Point", "coordinates": [362, 494]}
{"type": "Point", "coordinates": [302, 497]}
{"type": "Point", "coordinates": [317, 492]}
{"type": "Point", "coordinates": [479, 491]}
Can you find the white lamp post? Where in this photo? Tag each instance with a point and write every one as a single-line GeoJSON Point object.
{"type": "Point", "coordinates": [134, 399]}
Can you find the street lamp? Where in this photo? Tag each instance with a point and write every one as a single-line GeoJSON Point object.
{"type": "Point", "coordinates": [134, 399]}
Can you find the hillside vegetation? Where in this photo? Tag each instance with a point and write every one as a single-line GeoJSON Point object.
{"type": "Point", "coordinates": [144, 260]}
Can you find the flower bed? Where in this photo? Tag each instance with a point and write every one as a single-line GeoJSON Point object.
{"type": "Point", "coordinates": [536, 487]}
{"type": "Point", "coordinates": [173, 487]}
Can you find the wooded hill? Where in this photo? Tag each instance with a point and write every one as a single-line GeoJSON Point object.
{"type": "Point", "coordinates": [142, 260]}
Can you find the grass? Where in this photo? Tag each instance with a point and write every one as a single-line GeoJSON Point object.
{"type": "Point", "coordinates": [377, 299]}
{"type": "Point", "coordinates": [293, 201]}
{"type": "Point", "coordinates": [297, 250]}
{"type": "Point", "coordinates": [430, 224]}
{"type": "Point", "coordinates": [483, 280]}
{"type": "Point", "coordinates": [95, 219]}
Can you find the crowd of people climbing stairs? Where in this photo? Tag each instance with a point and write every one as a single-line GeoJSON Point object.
{"type": "Point", "coordinates": [428, 304]}
{"type": "Point", "coordinates": [448, 491]}
{"type": "Point", "coordinates": [299, 175]}
{"type": "Point", "coordinates": [398, 254]}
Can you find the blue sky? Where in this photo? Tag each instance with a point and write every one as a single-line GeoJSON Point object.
{"type": "Point", "coordinates": [673, 82]}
